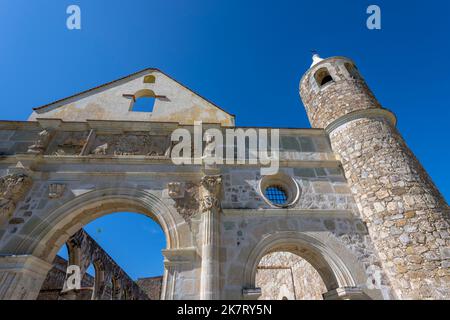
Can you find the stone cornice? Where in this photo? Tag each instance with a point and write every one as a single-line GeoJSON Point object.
{"type": "Point", "coordinates": [307, 213]}
{"type": "Point", "coordinates": [371, 113]}
{"type": "Point", "coordinates": [119, 126]}
{"type": "Point", "coordinates": [146, 160]}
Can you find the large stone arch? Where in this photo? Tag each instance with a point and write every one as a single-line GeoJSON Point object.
{"type": "Point", "coordinates": [334, 271]}
{"type": "Point", "coordinates": [57, 226]}
{"type": "Point", "coordinates": [44, 239]}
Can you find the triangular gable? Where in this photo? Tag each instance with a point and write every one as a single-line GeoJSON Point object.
{"type": "Point", "coordinates": [173, 102]}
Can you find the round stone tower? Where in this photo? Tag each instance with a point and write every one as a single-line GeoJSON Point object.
{"type": "Point", "coordinates": [407, 217]}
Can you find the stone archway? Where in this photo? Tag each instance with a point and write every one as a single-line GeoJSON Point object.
{"type": "Point", "coordinates": [284, 275]}
{"type": "Point", "coordinates": [337, 277]}
{"type": "Point", "coordinates": [44, 239]}
{"type": "Point", "coordinates": [60, 224]}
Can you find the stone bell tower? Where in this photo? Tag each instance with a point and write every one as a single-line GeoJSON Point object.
{"type": "Point", "coordinates": [407, 217]}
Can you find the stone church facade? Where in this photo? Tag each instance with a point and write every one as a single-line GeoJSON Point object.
{"type": "Point", "coordinates": [359, 208]}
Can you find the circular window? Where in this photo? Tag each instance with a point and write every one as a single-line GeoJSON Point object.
{"type": "Point", "coordinates": [276, 195]}
{"type": "Point", "coordinates": [279, 190]}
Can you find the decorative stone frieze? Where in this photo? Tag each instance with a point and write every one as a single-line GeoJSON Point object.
{"type": "Point", "coordinates": [132, 144]}
{"type": "Point", "coordinates": [72, 144]}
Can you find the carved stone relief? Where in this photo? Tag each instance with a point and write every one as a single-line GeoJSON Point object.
{"type": "Point", "coordinates": [13, 189]}
{"type": "Point", "coordinates": [132, 144]}
{"type": "Point", "coordinates": [69, 143]}
{"type": "Point", "coordinates": [176, 190]}
{"type": "Point", "coordinates": [186, 199]}
{"type": "Point", "coordinates": [101, 150]}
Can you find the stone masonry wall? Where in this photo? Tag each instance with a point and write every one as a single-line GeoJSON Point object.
{"type": "Point", "coordinates": [321, 188]}
{"type": "Point", "coordinates": [286, 275]}
{"type": "Point", "coordinates": [346, 93]}
{"type": "Point", "coordinates": [406, 215]}
{"type": "Point", "coordinates": [152, 286]}
{"type": "Point", "coordinates": [346, 235]}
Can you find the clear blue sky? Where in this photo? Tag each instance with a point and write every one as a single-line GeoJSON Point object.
{"type": "Point", "coordinates": [246, 56]}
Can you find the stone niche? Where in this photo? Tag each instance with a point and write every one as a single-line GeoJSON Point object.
{"type": "Point", "coordinates": [135, 144]}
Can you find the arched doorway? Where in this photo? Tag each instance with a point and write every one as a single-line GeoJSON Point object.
{"type": "Point", "coordinates": [333, 271]}
{"type": "Point", "coordinates": [114, 251]}
{"type": "Point", "coordinates": [287, 276]}
{"type": "Point", "coordinates": [45, 239]}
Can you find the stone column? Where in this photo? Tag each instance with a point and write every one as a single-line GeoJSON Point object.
{"type": "Point", "coordinates": [168, 285]}
{"type": "Point", "coordinates": [21, 277]}
{"type": "Point", "coordinates": [210, 190]}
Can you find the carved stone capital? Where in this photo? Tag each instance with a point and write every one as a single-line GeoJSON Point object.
{"type": "Point", "coordinates": [210, 192]}
{"type": "Point", "coordinates": [212, 183]}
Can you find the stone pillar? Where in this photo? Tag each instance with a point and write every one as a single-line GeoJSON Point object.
{"type": "Point", "coordinates": [168, 285]}
{"type": "Point", "coordinates": [210, 191]}
{"type": "Point", "coordinates": [21, 277]}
